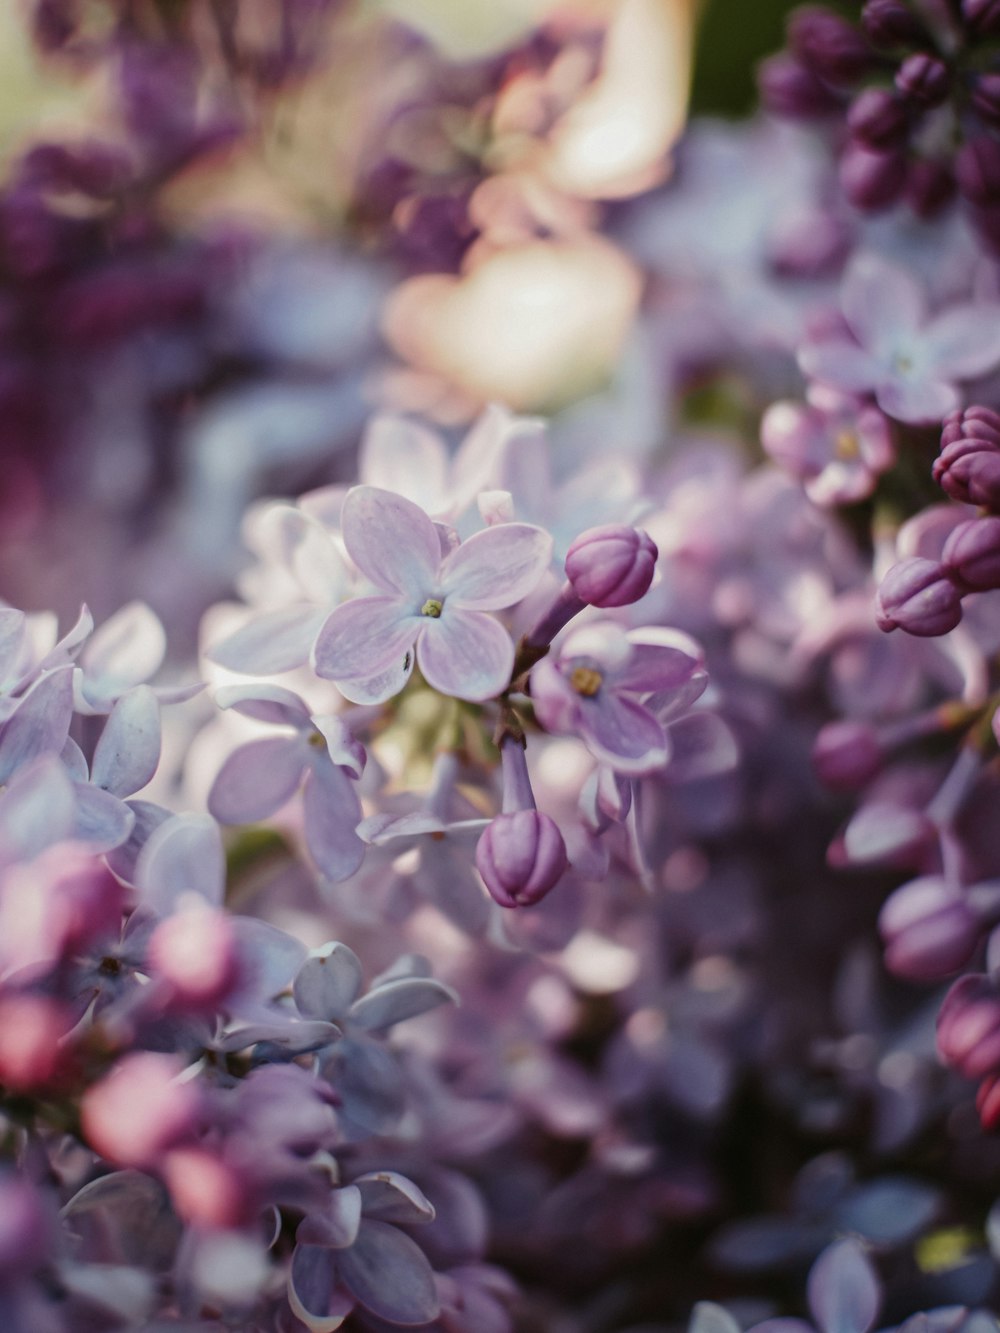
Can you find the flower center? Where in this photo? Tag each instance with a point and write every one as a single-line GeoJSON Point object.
{"type": "Point", "coordinates": [585, 680]}
{"type": "Point", "coordinates": [845, 446]}
{"type": "Point", "coordinates": [432, 607]}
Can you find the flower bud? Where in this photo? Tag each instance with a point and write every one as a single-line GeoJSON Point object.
{"type": "Point", "coordinates": [918, 596]}
{"type": "Point", "coordinates": [139, 1110]}
{"type": "Point", "coordinates": [977, 170]}
{"type": "Point", "coordinates": [877, 118]}
{"type": "Point", "coordinates": [972, 554]}
{"type": "Point", "coordinates": [207, 1191]}
{"type": "Point", "coordinates": [924, 79]}
{"type": "Point", "coordinates": [521, 856]}
{"type": "Point", "coordinates": [846, 755]}
{"type": "Point", "coordinates": [31, 1027]}
{"type": "Point", "coordinates": [968, 467]}
{"type": "Point", "coordinates": [930, 184]}
{"type": "Point", "coordinates": [872, 179]}
{"type": "Point", "coordinates": [988, 1102]}
{"type": "Point", "coordinates": [985, 97]}
{"type": "Point", "coordinates": [195, 952]}
{"type": "Point", "coordinates": [790, 90]}
{"type": "Point", "coordinates": [829, 45]}
{"type": "Point", "coordinates": [929, 928]}
{"type": "Point", "coordinates": [889, 23]}
{"type": "Point", "coordinates": [982, 16]}
{"type": "Point", "coordinates": [612, 565]}
{"type": "Point", "coordinates": [968, 1027]}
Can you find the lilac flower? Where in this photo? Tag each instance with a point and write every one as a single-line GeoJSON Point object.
{"type": "Point", "coordinates": [319, 755]}
{"type": "Point", "coordinates": [909, 361]}
{"type": "Point", "coordinates": [432, 610]}
{"type": "Point", "coordinates": [593, 686]}
{"type": "Point", "coordinates": [838, 455]}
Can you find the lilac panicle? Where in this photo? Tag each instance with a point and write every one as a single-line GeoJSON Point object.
{"type": "Point", "coordinates": [430, 611]}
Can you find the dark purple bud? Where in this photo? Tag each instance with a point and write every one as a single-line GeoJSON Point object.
{"type": "Point", "coordinates": [790, 90]}
{"type": "Point", "coordinates": [890, 23]}
{"type": "Point", "coordinates": [612, 565]}
{"type": "Point", "coordinates": [878, 118]}
{"type": "Point", "coordinates": [968, 1027]}
{"type": "Point", "coordinates": [968, 467]}
{"type": "Point", "coordinates": [521, 856]}
{"type": "Point", "coordinates": [930, 184]}
{"type": "Point", "coordinates": [988, 1102]}
{"type": "Point", "coordinates": [872, 179]}
{"type": "Point", "coordinates": [977, 170]}
{"type": "Point", "coordinates": [971, 554]}
{"type": "Point", "coordinates": [918, 596]}
{"type": "Point", "coordinates": [985, 98]}
{"type": "Point", "coordinates": [846, 755]}
{"type": "Point", "coordinates": [924, 78]}
{"type": "Point", "coordinates": [833, 48]}
{"type": "Point", "coordinates": [929, 929]}
{"type": "Point", "coordinates": [982, 16]}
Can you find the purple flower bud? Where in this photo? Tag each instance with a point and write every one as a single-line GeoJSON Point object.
{"type": "Point", "coordinates": [968, 467]}
{"type": "Point", "coordinates": [968, 1027]}
{"type": "Point", "coordinates": [889, 23]}
{"type": "Point", "coordinates": [917, 595]}
{"type": "Point", "coordinates": [924, 78]}
{"type": "Point", "coordinates": [834, 49]}
{"type": "Point", "coordinates": [846, 755]}
{"type": "Point", "coordinates": [878, 118]}
{"type": "Point", "coordinates": [612, 565]}
{"type": "Point", "coordinates": [788, 89]}
{"type": "Point", "coordinates": [929, 929]}
{"type": "Point", "coordinates": [977, 169]}
{"type": "Point", "coordinates": [930, 184]}
{"type": "Point", "coordinates": [985, 97]}
{"type": "Point", "coordinates": [982, 16]}
{"type": "Point", "coordinates": [872, 179]}
{"type": "Point", "coordinates": [521, 856]}
{"type": "Point", "coordinates": [971, 554]}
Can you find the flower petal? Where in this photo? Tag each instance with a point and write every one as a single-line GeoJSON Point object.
{"type": "Point", "coordinates": [881, 303]}
{"type": "Point", "coordinates": [265, 703]}
{"type": "Point", "coordinates": [328, 982]}
{"type": "Point", "coordinates": [332, 811]}
{"type": "Point", "coordinates": [844, 1293]}
{"type": "Point", "coordinates": [918, 401]}
{"type": "Point", "coordinates": [128, 752]}
{"type": "Point", "coordinates": [841, 364]}
{"type": "Point", "coordinates": [389, 1274]}
{"type": "Point", "coordinates": [125, 651]}
{"type": "Point", "coordinates": [184, 855]}
{"type": "Point", "coordinates": [405, 457]}
{"type": "Point", "coordinates": [102, 820]}
{"type": "Point", "coordinates": [396, 1001]}
{"type": "Point", "coordinates": [496, 567]}
{"type": "Point", "coordinates": [963, 342]}
{"type": "Point", "coordinates": [270, 643]}
{"type": "Point", "coordinates": [661, 659]}
{"type": "Point", "coordinates": [313, 1292]}
{"type": "Point", "coordinates": [40, 723]}
{"type": "Point", "coordinates": [623, 734]}
{"type": "Point", "coordinates": [466, 654]}
{"type": "Point", "coordinates": [391, 540]}
{"type": "Point", "coordinates": [364, 638]}
{"type": "Point", "coordinates": [257, 779]}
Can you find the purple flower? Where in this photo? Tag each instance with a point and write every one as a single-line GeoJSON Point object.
{"type": "Point", "coordinates": [432, 609]}
{"type": "Point", "coordinates": [908, 361]}
{"type": "Point", "coordinates": [593, 686]}
{"type": "Point", "coordinates": [838, 455]}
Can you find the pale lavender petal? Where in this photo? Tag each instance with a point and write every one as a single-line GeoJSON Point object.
{"type": "Point", "coordinates": [963, 343]}
{"type": "Point", "coordinates": [271, 643]}
{"type": "Point", "coordinates": [257, 779]}
{"type": "Point", "coordinates": [341, 746]}
{"type": "Point", "coordinates": [12, 625]}
{"type": "Point", "coordinates": [841, 364]}
{"type": "Point", "coordinates": [102, 820]}
{"type": "Point", "coordinates": [396, 1001]}
{"type": "Point", "coordinates": [128, 752]}
{"type": "Point", "coordinates": [74, 761]}
{"type": "Point", "coordinates": [182, 856]}
{"type": "Point", "coordinates": [40, 723]}
{"type": "Point", "coordinates": [313, 1292]}
{"type": "Point", "coordinates": [881, 303]}
{"type": "Point", "coordinates": [496, 567]}
{"type": "Point", "coordinates": [122, 859]}
{"type": "Point", "coordinates": [466, 654]}
{"type": "Point", "coordinates": [405, 457]}
{"type": "Point", "coordinates": [661, 659]}
{"type": "Point", "coordinates": [364, 638]}
{"type": "Point", "coordinates": [337, 1226]}
{"type": "Point", "coordinates": [328, 982]}
{"type": "Point", "coordinates": [918, 401]}
{"type": "Point", "coordinates": [125, 651]}
{"type": "Point", "coordinates": [383, 685]}
{"type": "Point", "coordinates": [843, 1291]}
{"type": "Point", "coordinates": [332, 811]}
{"type": "Point", "coordinates": [269, 957]}
{"type": "Point", "coordinates": [391, 1197]}
{"type": "Point", "coordinates": [36, 810]}
{"type": "Point", "coordinates": [265, 703]}
{"type": "Point", "coordinates": [389, 1274]}
{"type": "Point", "coordinates": [391, 540]}
{"type": "Point", "coordinates": [701, 745]}
{"type": "Point", "coordinates": [384, 827]}
{"type": "Point", "coordinates": [707, 1317]}
{"type": "Point", "coordinates": [69, 645]}
{"type": "Point", "coordinates": [623, 734]}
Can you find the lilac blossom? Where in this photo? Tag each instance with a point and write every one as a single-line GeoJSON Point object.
{"type": "Point", "coordinates": [908, 360]}
{"type": "Point", "coordinates": [431, 611]}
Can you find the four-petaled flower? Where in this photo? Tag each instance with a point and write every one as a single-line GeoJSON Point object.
{"type": "Point", "coordinates": [432, 609]}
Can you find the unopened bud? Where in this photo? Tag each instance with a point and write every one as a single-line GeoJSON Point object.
{"type": "Point", "coordinates": [846, 755]}
{"type": "Point", "coordinates": [972, 554]}
{"type": "Point", "coordinates": [918, 596]}
{"type": "Point", "coordinates": [612, 565]}
{"type": "Point", "coordinates": [968, 1027]}
{"type": "Point", "coordinates": [521, 856]}
{"type": "Point", "coordinates": [195, 953]}
{"type": "Point", "coordinates": [929, 929]}
{"type": "Point", "coordinates": [968, 467]}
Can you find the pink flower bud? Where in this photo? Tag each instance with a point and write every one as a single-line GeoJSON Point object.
{"type": "Point", "coordinates": [521, 856]}
{"type": "Point", "coordinates": [206, 1191]}
{"type": "Point", "coordinates": [971, 554]}
{"type": "Point", "coordinates": [139, 1110]}
{"type": "Point", "coordinates": [918, 596]}
{"type": "Point", "coordinates": [612, 565]}
{"type": "Point", "coordinates": [195, 952]}
{"type": "Point", "coordinates": [846, 755]}
{"type": "Point", "coordinates": [968, 1027]}
{"type": "Point", "coordinates": [30, 1030]}
{"type": "Point", "coordinates": [929, 928]}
